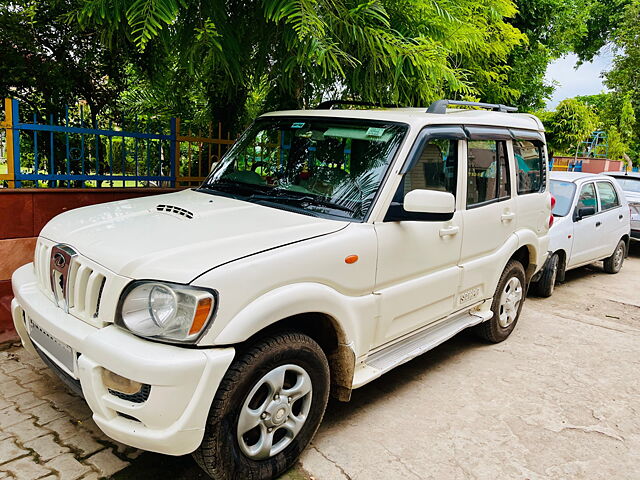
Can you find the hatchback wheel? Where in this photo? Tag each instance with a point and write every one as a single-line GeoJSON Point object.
{"type": "Point", "coordinates": [266, 410]}
{"type": "Point", "coordinates": [545, 286]}
{"type": "Point", "coordinates": [613, 264]}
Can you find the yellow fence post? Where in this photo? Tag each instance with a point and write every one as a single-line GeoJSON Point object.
{"type": "Point", "coordinates": [196, 141]}
{"type": "Point", "coordinates": [8, 128]}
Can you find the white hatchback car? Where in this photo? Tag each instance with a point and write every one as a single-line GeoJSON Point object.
{"type": "Point", "coordinates": [326, 248]}
{"type": "Point", "coordinates": [592, 223]}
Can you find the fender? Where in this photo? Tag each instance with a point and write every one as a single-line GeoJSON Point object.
{"type": "Point", "coordinates": [353, 316]}
{"type": "Point", "coordinates": [537, 255]}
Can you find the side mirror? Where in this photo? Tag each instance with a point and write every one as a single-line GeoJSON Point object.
{"type": "Point", "coordinates": [585, 212]}
{"type": "Point", "coordinates": [430, 201]}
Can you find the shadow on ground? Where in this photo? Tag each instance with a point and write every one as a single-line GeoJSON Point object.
{"type": "Point", "coordinates": [156, 466]}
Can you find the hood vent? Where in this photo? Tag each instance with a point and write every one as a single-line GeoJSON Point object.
{"type": "Point", "coordinates": [174, 210]}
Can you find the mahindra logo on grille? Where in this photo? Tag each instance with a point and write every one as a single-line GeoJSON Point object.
{"type": "Point", "coordinates": [61, 257]}
{"type": "Point", "coordinates": [59, 260]}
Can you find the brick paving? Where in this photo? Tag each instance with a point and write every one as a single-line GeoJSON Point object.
{"type": "Point", "coordinates": [46, 432]}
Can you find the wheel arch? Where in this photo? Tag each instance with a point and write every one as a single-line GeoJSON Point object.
{"type": "Point", "coordinates": [328, 333]}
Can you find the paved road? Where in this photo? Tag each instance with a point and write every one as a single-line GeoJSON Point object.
{"type": "Point", "coordinates": [559, 399]}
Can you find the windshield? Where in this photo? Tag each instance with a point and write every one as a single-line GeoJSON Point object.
{"type": "Point", "coordinates": [630, 184]}
{"type": "Point", "coordinates": [563, 193]}
{"type": "Point", "coordinates": [321, 167]}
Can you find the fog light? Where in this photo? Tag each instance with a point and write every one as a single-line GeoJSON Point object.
{"type": "Point", "coordinates": [113, 381]}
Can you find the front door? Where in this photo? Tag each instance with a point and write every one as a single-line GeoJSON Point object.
{"type": "Point", "coordinates": [418, 272]}
{"type": "Point", "coordinates": [586, 231]}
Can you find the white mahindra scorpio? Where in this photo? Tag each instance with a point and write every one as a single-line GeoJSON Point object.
{"type": "Point", "coordinates": [326, 248]}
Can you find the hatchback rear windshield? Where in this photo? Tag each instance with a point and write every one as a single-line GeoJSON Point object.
{"type": "Point", "coordinates": [316, 166]}
{"type": "Point", "coordinates": [629, 184]}
{"type": "Point", "coordinates": [563, 193]}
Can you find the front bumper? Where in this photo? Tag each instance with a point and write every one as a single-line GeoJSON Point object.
{"type": "Point", "coordinates": [183, 381]}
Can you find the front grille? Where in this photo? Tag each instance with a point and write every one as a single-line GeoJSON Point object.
{"type": "Point", "coordinates": [85, 284]}
{"type": "Point", "coordinates": [140, 396]}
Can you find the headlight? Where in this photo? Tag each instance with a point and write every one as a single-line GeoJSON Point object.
{"type": "Point", "coordinates": [166, 311]}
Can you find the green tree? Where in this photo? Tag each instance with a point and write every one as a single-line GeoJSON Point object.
{"type": "Point", "coordinates": [552, 28]}
{"type": "Point", "coordinates": [623, 78]}
{"type": "Point", "coordinates": [405, 51]}
{"type": "Point", "coordinates": [570, 124]}
{"type": "Point", "coordinates": [48, 62]}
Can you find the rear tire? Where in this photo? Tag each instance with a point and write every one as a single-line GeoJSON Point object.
{"type": "Point", "coordinates": [545, 286]}
{"type": "Point", "coordinates": [613, 264]}
{"type": "Point", "coordinates": [280, 384]}
{"type": "Point", "coordinates": [506, 305]}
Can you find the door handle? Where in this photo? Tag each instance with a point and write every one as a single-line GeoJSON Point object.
{"type": "Point", "coordinates": [507, 216]}
{"type": "Point", "coordinates": [620, 217]}
{"type": "Point", "coordinates": [598, 224]}
{"type": "Point", "coordinates": [446, 231]}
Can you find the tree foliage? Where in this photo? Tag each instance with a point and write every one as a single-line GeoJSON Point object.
{"type": "Point", "coordinates": [570, 124]}
{"type": "Point", "coordinates": [624, 78]}
{"type": "Point", "coordinates": [404, 51]}
{"type": "Point", "coordinates": [48, 62]}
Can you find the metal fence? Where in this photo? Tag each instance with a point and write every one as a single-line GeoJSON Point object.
{"type": "Point", "coordinates": [69, 150]}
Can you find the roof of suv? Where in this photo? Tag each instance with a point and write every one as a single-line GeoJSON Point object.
{"type": "Point", "coordinates": [419, 117]}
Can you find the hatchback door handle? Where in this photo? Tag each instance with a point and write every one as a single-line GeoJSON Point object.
{"type": "Point", "coordinates": [446, 231]}
{"type": "Point", "coordinates": [507, 216]}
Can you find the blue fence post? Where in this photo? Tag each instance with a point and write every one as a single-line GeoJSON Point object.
{"type": "Point", "coordinates": [172, 151]}
{"type": "Point", "coordinates": [15, 120]}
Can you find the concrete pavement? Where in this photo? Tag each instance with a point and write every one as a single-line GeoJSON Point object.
{"type": "Point", "coordinates": [557, 400]}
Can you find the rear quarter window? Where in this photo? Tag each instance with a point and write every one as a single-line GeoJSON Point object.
{"type": "Point", "coordinates": [530, 166]}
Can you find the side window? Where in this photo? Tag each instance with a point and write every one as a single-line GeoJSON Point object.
{"type": "Point", "coordinates": [530, 166]}
{"type": "Point", "coordinates": [587, 197]}
{"type": "Point", "coordinates": [487, 172]}
{"type": "Point", "coordinates": [436, 169]}
{"type": "Point", "coordinates": [608, 196]}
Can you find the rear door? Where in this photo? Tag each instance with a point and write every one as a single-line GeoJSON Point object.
{"type": "Point", "coordinates": [490, 212]}
{"type": "Point", "coordinates": [613, 222]}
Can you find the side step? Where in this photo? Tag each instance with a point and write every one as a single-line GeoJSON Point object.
{"type": "Point", "coordinates": [409, 348]}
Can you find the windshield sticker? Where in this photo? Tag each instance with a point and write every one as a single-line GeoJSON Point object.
{"type": "Point", "coordinates": [298, 125]}
{"type": "Point", "coordinates": [375, 132]}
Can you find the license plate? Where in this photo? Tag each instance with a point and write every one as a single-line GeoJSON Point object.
{"type": "Point", "coordinates": [59, 352]}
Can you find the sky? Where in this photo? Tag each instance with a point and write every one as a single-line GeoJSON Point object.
{"type": "Point", "coordinates": [586, 80]}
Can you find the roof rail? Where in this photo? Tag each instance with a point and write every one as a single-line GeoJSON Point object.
{"type": "Point", "coordinates": [329, 104]}
{"type": "Point", "coordinates": [440, 106]}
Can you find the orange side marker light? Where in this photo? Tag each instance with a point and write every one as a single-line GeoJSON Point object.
{"type": "Point", "coordinates": [351, 259]}
{"type": "Point", "coordinates": [202, 313]}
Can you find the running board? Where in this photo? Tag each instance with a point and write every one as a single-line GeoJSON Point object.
{"type": "Point", "coordinates": [409, 348]}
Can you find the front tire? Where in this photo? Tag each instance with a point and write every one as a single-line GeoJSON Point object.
{"type": "Point", "coordinates": [267, 409]}
{"type": "Point", "coordinates": [613, 264]}
{"type": "Point", "coordinates": [506, 305]}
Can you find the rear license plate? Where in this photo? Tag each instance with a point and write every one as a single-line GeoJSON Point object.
{"type": "Point", "coordinates": [59, 352]}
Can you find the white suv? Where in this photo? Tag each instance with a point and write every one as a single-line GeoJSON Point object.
{"type": "Point", "coordinates": [328, 247]}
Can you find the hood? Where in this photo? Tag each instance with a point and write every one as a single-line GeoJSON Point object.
{"type": "Point", "coordinates": [178, 236]}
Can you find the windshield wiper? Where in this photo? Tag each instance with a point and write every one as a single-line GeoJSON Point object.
{"type": "Point", "coordinates": [230, 186]}
{"type": "Point", "coordinates": [301, 200]}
